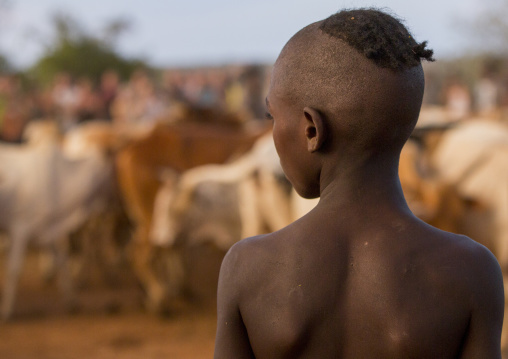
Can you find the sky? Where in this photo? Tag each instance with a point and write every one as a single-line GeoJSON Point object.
{"type": "Point", "coordinates": [206, 32]}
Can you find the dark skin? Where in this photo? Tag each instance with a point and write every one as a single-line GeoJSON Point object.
{"type": "Point", "coordinates": [359, 276]}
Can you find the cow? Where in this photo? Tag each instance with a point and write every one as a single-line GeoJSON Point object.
{"type": "Point", "coordinates": [177, 146]}
{"type": "Point", "coordinates": [96, 245]}
{"type": "Point", "coordinates": [45, 196]}
{"type": "Point", "coordinates": [473, 158]}
{"type": "Point", "coordinates": [260, 201]}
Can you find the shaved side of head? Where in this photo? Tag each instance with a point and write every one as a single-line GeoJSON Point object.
{"type": "Point", "coordinates": [371, 98]}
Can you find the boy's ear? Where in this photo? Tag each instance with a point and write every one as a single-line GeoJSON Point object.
{"type": "Point", "coordinates": [314, 129]}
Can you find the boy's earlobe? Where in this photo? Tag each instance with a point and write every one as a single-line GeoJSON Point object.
{"type": "Point", "coordinates": [314, 129]}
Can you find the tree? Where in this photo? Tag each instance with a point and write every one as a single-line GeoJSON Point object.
{"type": "Point", "coordinates": [5, 65]}
{"type": "Point", "coordinates": [80, 54]}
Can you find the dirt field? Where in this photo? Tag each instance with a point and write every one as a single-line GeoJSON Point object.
{"type": "Point", "coordinates": [110, 321]}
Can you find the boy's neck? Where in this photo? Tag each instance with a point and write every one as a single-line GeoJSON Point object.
{"type": "Point", "coordinates": [362, 187]}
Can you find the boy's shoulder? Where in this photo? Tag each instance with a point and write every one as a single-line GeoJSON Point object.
{"type": "Point", "coordinates": [248, 252]}
{"type": "Point", "coordinates": [450, 248]}
{"type": "Point", "coordinates": [452, 265]}
{"type": "Point", "coordinates": [473, 262]}
{"type": "Point", "coordinates": [251, 259]}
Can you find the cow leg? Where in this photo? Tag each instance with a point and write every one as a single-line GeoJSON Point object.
{"type": "Point", "coordinates": [249, 210]}
{"type": "Point", "coordinates": [141, 256]}
{"type": "Point", "coordinates": [175, 271]}
{"type": "Point", "coordinates": [61, 254]}
{"type": "Point", "coordinates": [47, 266]}
{"type": "Point", "coordinates": [16, 255]}
{"type": "Point", "coordinates": [274, 203]}
{"type": "Point", "coordinates": [82, 264]}
{"type": "Point", "coordinates": [109, 257]}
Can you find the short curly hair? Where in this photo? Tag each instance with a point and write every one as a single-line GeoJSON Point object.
{"type": "Point", "coordinates": [381, 37]}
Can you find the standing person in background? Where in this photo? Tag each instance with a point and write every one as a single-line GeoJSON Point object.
{"type": "Point", "coordinates": [65, 98]}
{"type": "Point", "coordinates": [89, 103]}
{"type": "Point", "coordinates": [486, 94]}
{"type": "Point", "coordinates": [15, 109]}
{"type": "Point", "coordinates": [252, 80]}
{"type": "Point", "coordinates": [108, 91]}
{"type": "Point", "coordinates": [457, 98]}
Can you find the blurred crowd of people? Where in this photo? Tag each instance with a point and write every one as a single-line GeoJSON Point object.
{"type": "Point", "coordinates": [146, 97]}
{"type": "Point", "coordinates": [485, 97]}
{"type": "Point", "coordinates": [142, 99]}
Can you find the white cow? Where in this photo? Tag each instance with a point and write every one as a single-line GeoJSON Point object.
{"type": "Point", "coordinates": [259, 199]}
{"type": "Point", "coordinates": [97, 246]}
{"type": "Point", "coordinates": [474, 157]}
{"type": "Point", "coordinates": [44, 197]}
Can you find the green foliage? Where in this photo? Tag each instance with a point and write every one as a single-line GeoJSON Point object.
{"type": "Point", "coordinates": [5, 65]}
{"type": "Point", "coordinates": [82, 55]}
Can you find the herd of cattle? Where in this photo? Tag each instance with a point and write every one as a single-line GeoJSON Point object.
{"type": "Point", "coordinates": [206, 176]}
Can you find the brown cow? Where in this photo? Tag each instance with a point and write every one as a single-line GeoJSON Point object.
{"type": "Point", "coordinates": [178, 147]}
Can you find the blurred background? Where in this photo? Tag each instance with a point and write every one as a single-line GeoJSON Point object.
{"type": "Point", "coordinates": [134, 152]}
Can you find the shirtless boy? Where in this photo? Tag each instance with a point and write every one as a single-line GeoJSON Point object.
{"type": "Point", "coordinates": [359, 276]}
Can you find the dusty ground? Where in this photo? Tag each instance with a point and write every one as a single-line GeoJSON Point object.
{"type": "Point", "coordinates": [110, 321]}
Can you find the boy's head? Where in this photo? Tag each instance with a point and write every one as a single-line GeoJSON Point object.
{"type": "Point", "coordinates": [350, 85]}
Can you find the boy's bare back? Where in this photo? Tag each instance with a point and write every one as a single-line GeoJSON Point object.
{"type": "Point", "coordinates": [359, 276]}
{"type": "Point", "coordinates": [407, 291]}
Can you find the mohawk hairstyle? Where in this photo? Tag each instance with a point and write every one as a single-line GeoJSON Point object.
{"type": "Point", "coordinates": [379, 36]}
